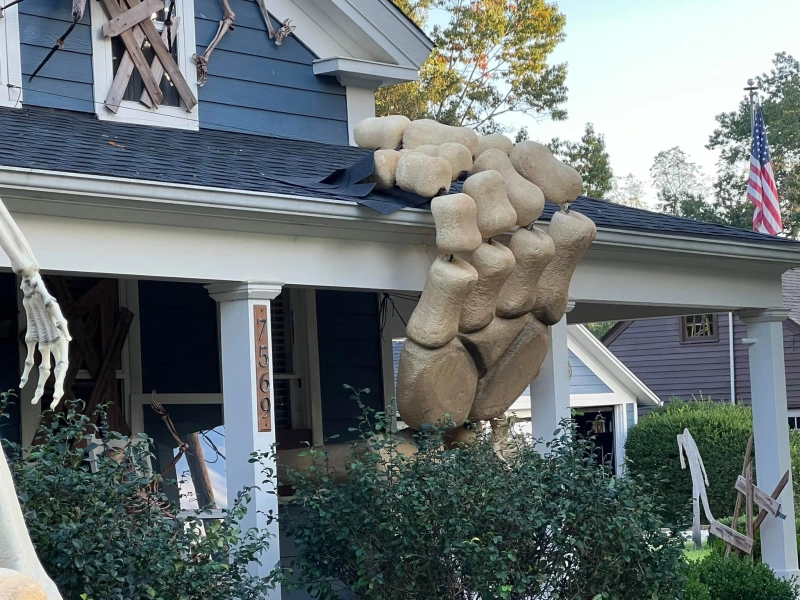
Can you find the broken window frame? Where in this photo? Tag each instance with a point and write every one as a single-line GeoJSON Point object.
{"type": "Point", "coordinates": [705, 331]}
{"type": "Point", "coordinates": [136, 112]}
{"type": "Point", "coordinates": [10, 58]}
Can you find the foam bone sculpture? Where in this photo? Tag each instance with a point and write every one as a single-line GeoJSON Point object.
{"type": "Point", "coordinates": [560, 183]}
{"type": "Point", "coordinates": [16, 586]}
{"type": "Point", "coordinates": [424, 175]}
{"type": "Point", "coordinates": [495, 213]}
{"type": "Point", "coordinates": [455, 216]}
{"type": "Point", "coordinates": [385, 171]}
{"type": "Point", "coordinates": [47, 328]}
{"type": "Point", "coordinates": [426, 131]}
{"type": "Point", "coordinates": [494, 140]}
{"type": "Point", "coordinates": [525, 196]}
{"type": "Point", "coordinates": [380, 133]}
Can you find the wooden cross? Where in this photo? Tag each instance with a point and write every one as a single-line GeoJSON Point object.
{"type": "Point", "coordinates": [130, 20]}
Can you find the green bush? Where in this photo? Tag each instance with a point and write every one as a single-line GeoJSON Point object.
{"type": "Point", "coordinates": [735, 578]}
{"type": "Point", "coordinates": [462, 523]}
{"type": "Point", "coordinates": [104, 535]}
{"type": "Point", "coordinates": [721, 431]}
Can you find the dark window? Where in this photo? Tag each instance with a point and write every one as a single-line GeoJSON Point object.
{"type": "Point", "coordinates": [699, 328]}
{"type": "Point", "coordinates": [135, 85]}
{"type": "Point", "coordinates": [794, 422]}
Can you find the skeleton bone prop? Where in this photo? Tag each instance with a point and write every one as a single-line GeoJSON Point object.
{"type": "Point", "coordinates": [47, 328]}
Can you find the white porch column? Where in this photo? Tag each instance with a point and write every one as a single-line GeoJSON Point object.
{"type": "Point", "coordinates": [550, 390]}
{"type": "Point", "coordinates": [771, 432]}
{"type": "Point", "coordinates": [249, 420]}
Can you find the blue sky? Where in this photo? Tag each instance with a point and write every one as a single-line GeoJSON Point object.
{"type": "Point", "coordinates": [652, 74]}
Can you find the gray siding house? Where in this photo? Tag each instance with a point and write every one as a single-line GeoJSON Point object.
{"type": "Point", "coordinates": [685, 357]}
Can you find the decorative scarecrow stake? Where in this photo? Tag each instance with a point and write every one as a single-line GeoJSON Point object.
{"type": "Point", "coordinates": [687, 445]}
{"type": "Point", "coordinates": [47, 330]}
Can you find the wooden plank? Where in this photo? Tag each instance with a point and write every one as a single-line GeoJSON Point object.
{"type": "Point", "coordinates": [123, 76]}
{"type": "Point", "coordinates": [135, 50]}
{"type": "Point", "coordinates": [731, 537]}
{"type": "Point", "coordinates": [107, 373]}
{"type": "Point", "coordinates": [157, 68]}
{"type": "Point", "coordinates": [262, 358]}
{"type": "Point", "coordinates": [739, 497]}
{"type": "Point", "coordinates": [131, 17]}
{"type": "Point", "coordinates": [163, 54]}
{"type": "Point", "coordinates": [761, 498]}
{"type": "Point", "coordinates": [775, 494]}
{"type": "Point", "coordinates": [749, 501]}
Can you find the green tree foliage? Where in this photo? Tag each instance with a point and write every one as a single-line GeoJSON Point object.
{"type": "Point", "coordinates": [675, 178]}
{"type": "Point", "coordinates": [590, 158]}
{"type": "Point", "coordinates": [462, 523]}
{"type": "Point", "coordinates": [601, 328]}
{"type": "Point", "coordinates": [628, 191]}
{"type": "Point", "coordinates": [780, 93]}
{"type": "Point", "coordinates": [721, 431]}
{"type": "Point", "coordinates": [736, 578]}
{"type": "Point", "coordinates": [491, 58]}
{"type": "Point", "coordinates": [103, 534]}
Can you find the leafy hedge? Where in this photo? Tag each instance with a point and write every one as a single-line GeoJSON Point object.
{"type": "Point", "coordinates": [102, 534]}
{"type": "Point", "coordinates": [463, 523]}
{"type": "Point", "coordinates": [721, 431]}
{"type": "Point", "coordinates": [736, 578]}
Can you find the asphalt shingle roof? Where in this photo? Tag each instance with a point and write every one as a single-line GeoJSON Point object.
{"type": "Point", "coordinates": [53, 140]}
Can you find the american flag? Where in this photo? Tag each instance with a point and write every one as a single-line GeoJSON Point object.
{"type": "Point", "coordinates": [761, 190]}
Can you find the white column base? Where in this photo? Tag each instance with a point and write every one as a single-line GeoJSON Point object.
{"type": "Point", "coordinates": [550, 390]}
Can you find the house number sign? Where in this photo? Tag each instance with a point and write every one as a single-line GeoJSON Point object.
{"type": "Point", "coordinates": [262, 354]}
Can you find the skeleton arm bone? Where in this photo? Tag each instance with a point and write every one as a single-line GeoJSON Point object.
{"type": "Point", "coordinates": [46, 325]}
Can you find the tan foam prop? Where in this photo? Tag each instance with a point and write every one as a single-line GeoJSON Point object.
{"type": "Point", "coordinates": [385, 169]}
{"type": "Point", "coordinates": [533, 250]}
{"type": "Point", "coordinates": [381, 133]}
{"type": "Point", "coordinates": [424, 175]}
{"type": "Point", "coordinates": [426, 131]}
{"type": "Point", "coordinates": [559, 183]}
{"type": "Point", "coordinates": [494, 263]}
{"type": "Point", "coordinates": [455, 216]}
{"type": "Point", "coordinates": [526, 197]}
{"type": "Point", "coordinates": [495, 213]}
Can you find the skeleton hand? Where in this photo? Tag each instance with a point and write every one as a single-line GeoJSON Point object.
{"type": "Point", "coordinates": [479, 334]}
{"type": "Point", "coordinates": [47, 327]}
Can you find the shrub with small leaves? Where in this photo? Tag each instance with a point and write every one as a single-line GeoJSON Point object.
{"type": "Point", "coordinates": [736, 578]}
{"type": "Point", "coordinates": [721, 431]}
{"type": "Point", "coordinates": [462, 523]}
{"type": "Point", "coordinates": [102, 533]}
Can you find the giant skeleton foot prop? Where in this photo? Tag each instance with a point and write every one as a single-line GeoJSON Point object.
{"type": "Point", "coordinates": [480, 334]}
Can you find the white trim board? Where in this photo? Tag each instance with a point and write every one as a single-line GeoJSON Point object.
{"type": "Point", "coordinates": [10, 59]}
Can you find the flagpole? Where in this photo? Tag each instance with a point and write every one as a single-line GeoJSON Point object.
{"type": "Point", "coordinates": [753, 88]}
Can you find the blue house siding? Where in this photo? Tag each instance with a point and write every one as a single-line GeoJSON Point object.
{"type": "Point", "coordinates": [66, 80]}
{"type": "Point", "coordinates": [583, 380]}
{"type": "Point", "coordinates": [348, 330]}
{"type": "Point", "coordinates": [257, 87]}
{"type": "Point", "coordinates": [187, 361]}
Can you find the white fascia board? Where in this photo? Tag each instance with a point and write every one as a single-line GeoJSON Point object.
{"type": "Point", "coordinates": [364, 73]}
{"type": "Point", "coordinates": [608, 367]}
{"type": "Point", "coordinates": [10, 58]}
{"type": "Point", "coordinates": [143, 201]}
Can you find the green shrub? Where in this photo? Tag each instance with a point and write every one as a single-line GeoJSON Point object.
{"type": "Point", "coordinates": [721, 431]}
{"type": "Point", "coordinates": [104, 535]}
{"type": "Point", "coordinates": [462, 523]}
{"type": "Point", "coordinates": [736, 578]}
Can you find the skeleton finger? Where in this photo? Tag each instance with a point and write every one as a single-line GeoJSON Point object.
{"type": "Point", "coordinates": [60, 352]}
{"type": "Point", "coordinates": [44, 372]}
{"type": "Point", "coordinates": [53, 310]}
{"type": "Point", "coordinates": [28, 363]}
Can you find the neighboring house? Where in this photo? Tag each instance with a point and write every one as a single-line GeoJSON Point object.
{"type": "Point", "coordinates": [172, 237]}
{"type": "Point", "coordinates": [694, 355]}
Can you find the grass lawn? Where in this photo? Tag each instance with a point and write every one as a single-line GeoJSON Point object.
{"type": "Point", "coordinates": [692, 554]}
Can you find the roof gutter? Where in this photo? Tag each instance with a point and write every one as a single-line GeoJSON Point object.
{"type": "Point", "coordinates": [73, 192]}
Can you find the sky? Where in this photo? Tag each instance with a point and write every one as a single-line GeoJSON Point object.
{"type": "Point", "coordinates": [653, 74]}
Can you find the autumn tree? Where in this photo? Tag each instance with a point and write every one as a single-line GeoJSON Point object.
{"type": "Point", "coordinates": [628, 190]}
{"type": "Point", "coordinates": [675, 178]}
{"type": "Point", "coordinates": [780, 102]}
{"type": "Point", "coordinates": [490, 60]}
{"type": "Point", "coordinates": [590, 158]}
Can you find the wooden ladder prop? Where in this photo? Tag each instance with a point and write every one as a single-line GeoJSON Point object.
{"type": "Point", "coordinates": [750, 494]}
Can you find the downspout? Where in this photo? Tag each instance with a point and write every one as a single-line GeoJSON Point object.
{"type": "Point", "coordinates": [732, 358]}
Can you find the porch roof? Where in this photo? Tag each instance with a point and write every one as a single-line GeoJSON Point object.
{"type": "Point", "coordinates": [60, 141]}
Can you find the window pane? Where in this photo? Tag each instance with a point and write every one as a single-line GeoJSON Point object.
{"type": "Point", "coordinates": [201, 471]}
{"type": "Point", "coordinates": [698, 326]}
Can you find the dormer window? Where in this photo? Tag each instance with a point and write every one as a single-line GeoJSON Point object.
{"type": "Point", "coordinates": [127, 85]}
{"type": "Point", "coordinates": [10, 63]}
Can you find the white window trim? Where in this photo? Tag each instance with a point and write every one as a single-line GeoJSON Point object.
{"type": "Point", "coordinates": [10, 60]}
{"type": "Point", "coordinates": [174, 117]}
